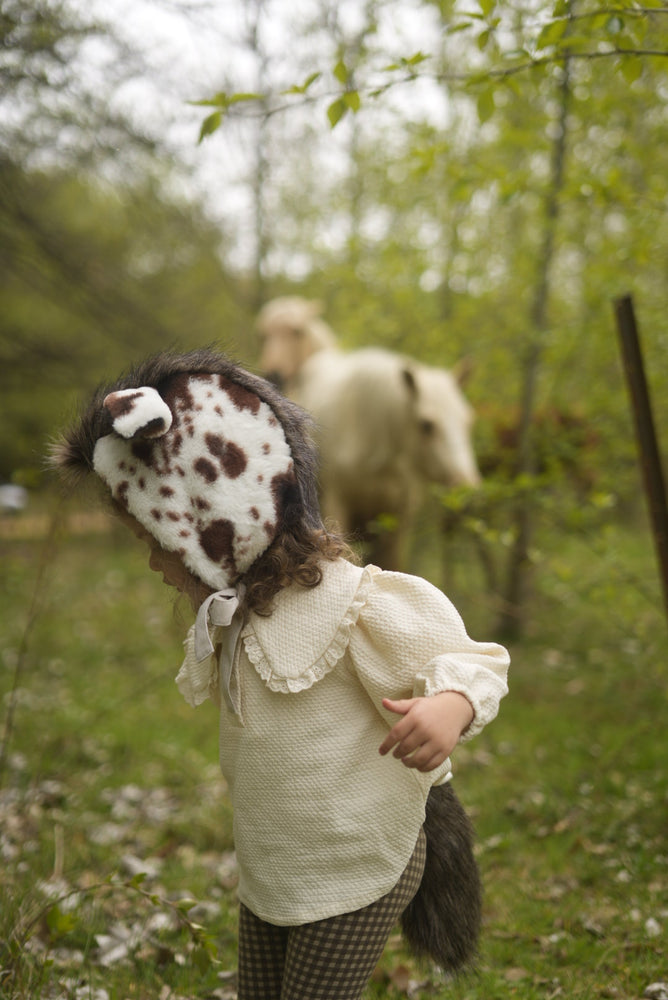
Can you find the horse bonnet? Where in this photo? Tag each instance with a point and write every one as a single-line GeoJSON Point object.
{"type": "Point", "coordinates": [203, 465]}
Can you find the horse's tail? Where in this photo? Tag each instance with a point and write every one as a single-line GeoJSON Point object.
{"type": "Point", "coordinates": [443, 920]}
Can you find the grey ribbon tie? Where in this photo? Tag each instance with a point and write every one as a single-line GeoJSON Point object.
{"type": "Point", "coordinates": [218, 609]}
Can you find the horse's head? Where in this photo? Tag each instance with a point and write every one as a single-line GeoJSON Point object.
{"type": "Point", "coordinates": [290, 331]}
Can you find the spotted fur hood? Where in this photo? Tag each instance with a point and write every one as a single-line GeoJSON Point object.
{"type": "Point", "coordinates": [209, 458]}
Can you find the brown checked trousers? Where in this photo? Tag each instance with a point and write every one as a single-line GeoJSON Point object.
{"type": "Point", "coordinates": [330, 959]}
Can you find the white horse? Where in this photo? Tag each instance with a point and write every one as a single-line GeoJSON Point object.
{"type": "Point", "coordinates": [387, 425]}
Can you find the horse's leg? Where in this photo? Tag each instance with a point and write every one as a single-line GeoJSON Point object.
{"type": "Point", "coordinates": [387, 547]}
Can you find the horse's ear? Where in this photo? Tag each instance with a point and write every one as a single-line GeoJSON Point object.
{"type": "Point", "coordinates": [408, 375]}
{"type": "Point", "coordinates": [314, 307]}
{"type": "Point", "coordinates": [462, 370]}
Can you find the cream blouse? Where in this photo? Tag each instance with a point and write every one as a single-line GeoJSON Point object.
{"type": "Point", "coordinates": [322, 823]}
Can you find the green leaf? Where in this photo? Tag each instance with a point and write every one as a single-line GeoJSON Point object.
{"type": "Point", "coordinates": [631, 68]}
{"type": "Point", "coordinates": [461, 26]}
{"type": "Point", "coordinates": [384, 522]}
{"type": "Point", "coordinates": [303, 87]}
{"type": "Point", "coordinates": [477, 79]}
{"type": "Point", "coordinates": [237, 98]}
{"type": "Point", "coordinates": [223, 100]}
{"type": "Point", "coordinates": [483, 39]}
{"type": "Point", "coordinates": [576, 43]}
{"type": "Point", "coordinates": [552, 33]}
{"type": "Point", "coordinates": [341, 71]}
{"type": "Point", "coordinates": [599, 22]}
{"type": "Point", "coordinates": [485, 104]}
{"type": "Point", "coordinates": [219, 100]}
{"type": "Point", "coordinates": [184, 905]}
{"type": "Point", "coordinates": [336, 111]}
{"type": "Point", "coordinates": [512, 83]}
{"type": "Point", "coordinates": [487, 6]}
{"type": "Point", "coordinates": [461, 190]}
{"type": "Point", "coordinates": [406, 62]}
{"type": "Point", "coordinates": [514, 55]}
{"type": "Point", "coordinates": [416, 59]}
{"type": "Point", "coordinates": [210, 124]}
{"type": "Point", "coordinates": [352, 100]}
{"type": "Point", "coordinates": [136, 880]}
{"type": "Point", "coordinates": [60, 923]}
{"type": "Point", "coordinates": [201, 960]}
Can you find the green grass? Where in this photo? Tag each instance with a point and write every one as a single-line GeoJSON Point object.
{"type": "Point", "coordinates": [107, 773]}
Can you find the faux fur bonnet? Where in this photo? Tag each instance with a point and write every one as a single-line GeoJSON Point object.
{"type": "Point", "coordinates": [210, 459]}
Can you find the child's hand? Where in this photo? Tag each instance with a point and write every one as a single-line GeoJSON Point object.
{"type": "Point", "coordinates": [429, 729]}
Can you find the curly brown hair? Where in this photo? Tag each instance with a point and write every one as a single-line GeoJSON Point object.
{"type": "Point", "coordinates": [294, 557]}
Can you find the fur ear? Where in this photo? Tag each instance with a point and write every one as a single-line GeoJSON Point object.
{"type": "Point", "coordinates": [138, 413]}
{"type": "Point", "coordinates": [462, 370]}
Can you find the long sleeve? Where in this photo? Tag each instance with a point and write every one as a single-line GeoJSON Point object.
{"type": "Point", "coordinates": [411, 641]}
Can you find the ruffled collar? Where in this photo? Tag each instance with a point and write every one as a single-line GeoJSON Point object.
{"type": "Point", "coordinates": [308, 631]}
{"type": "Point", "coordinates": [305, 636]}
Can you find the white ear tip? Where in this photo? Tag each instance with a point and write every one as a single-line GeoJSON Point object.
{"type": "Point", "coordinates": [138, 412]}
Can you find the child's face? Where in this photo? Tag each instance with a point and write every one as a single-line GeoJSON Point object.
{"type": "Point", "coordinates": [174, 573]}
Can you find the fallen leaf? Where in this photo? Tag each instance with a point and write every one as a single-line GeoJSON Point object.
{"type": "Point", "coordinates": [400, 977]}
{"type": "Point", "coordinates": [593, 928]}
{"type": "Point", "coordinates": [595, 849]}
{"type": "Point", "coordinates": [652, 927]}
{"type": "Point", "coordinates": [515, 975]}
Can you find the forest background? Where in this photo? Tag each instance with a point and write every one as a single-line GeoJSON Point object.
{"type": "Point", "coordinates": [452, 180]}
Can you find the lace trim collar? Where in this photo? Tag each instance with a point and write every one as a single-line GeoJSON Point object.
{"type": "Point", "coordinates": [309, 630]}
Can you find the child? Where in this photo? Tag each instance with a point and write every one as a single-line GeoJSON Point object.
{"type": "Point", "coordinates": [342, 689]}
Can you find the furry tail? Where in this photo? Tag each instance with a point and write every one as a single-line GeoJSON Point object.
{"type": "Point", "coordinates": [443, 920]}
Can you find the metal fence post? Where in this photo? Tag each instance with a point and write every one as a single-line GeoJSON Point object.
{"type": "Point", "coordinates": [650, 459]}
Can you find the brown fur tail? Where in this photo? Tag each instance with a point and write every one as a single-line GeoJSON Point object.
{"type": "Point", "coordinates": [443, 920]}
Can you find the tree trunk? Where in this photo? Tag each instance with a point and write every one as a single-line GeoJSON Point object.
{"type": "Point", "coordinates": [261, 167]}
{"type": "Point", "coordinates": [511, 620]}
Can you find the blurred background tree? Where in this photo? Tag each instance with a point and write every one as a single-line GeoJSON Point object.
{"type": "Point", "coordinates": [102, 261]}
{"type": "Point", "coordinates": [450, 180]}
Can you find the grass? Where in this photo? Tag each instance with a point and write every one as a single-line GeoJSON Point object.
{"type": "Point", "coordinates": [117, 877]}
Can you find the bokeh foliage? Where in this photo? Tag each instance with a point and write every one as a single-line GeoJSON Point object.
{"type": "Point", "coordinates": [419, 220]}
{"type": "Point", "coordinates": [421, 232]}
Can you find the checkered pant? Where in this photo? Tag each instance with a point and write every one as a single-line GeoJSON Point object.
{"type": "Point", "coordinates": [329, 959]}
